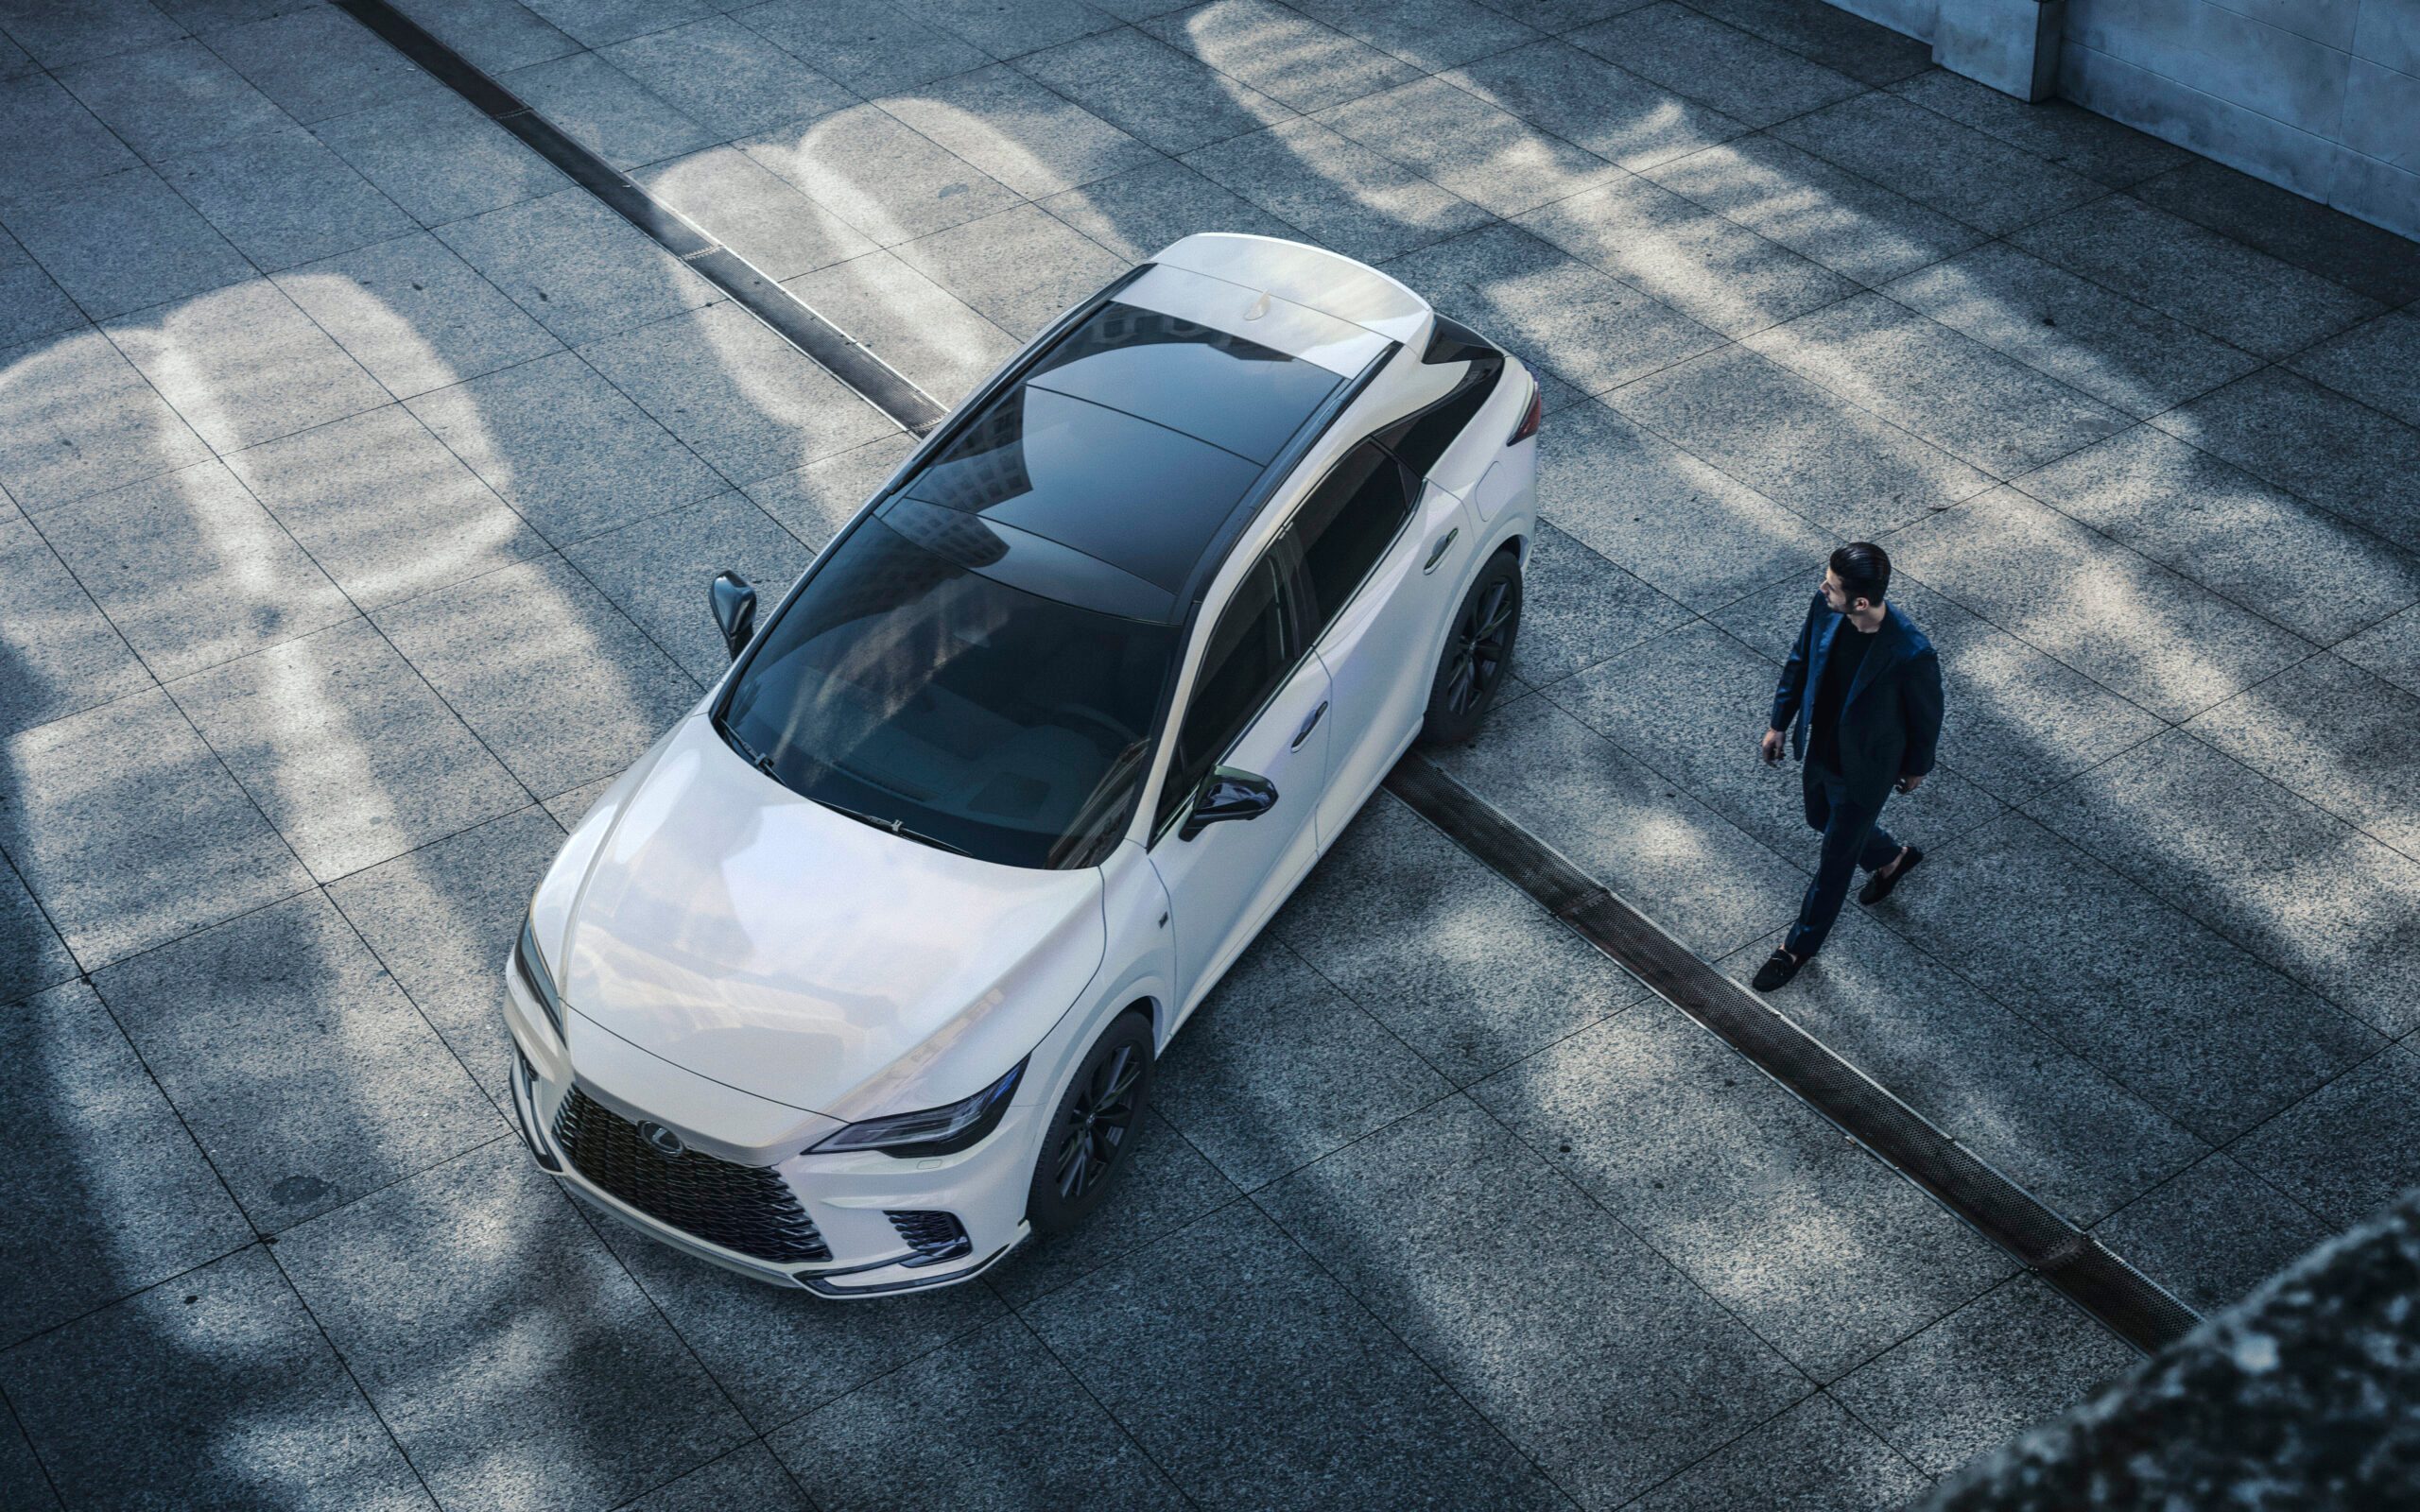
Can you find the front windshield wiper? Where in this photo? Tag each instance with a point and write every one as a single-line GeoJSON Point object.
{"type": "Point", "coordinates": [897, 826]}
{"type": "Point", "coordinates": [763, 764]}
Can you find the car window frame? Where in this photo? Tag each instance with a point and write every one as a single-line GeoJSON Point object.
{"type": "Point", "coordinates": [1284, 554]}
{"type": "Point", "coordinates": [1416, 488]}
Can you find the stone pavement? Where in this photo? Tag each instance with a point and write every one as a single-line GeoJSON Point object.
{"type": "Point", "coordinates": [362, 476]}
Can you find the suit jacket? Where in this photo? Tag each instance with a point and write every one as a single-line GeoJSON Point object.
{"type": "Point", "coordinates": [1891, 721]}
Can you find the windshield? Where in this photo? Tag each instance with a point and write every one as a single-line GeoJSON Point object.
{"type": "Point", "coordinates": [906, 689]}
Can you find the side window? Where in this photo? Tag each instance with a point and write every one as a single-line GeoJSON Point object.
{"type": "Point", "coordinates": [1246, 657]}
{"type": "Point", "coordinates": [1421, 439]}
{"type": "Point", "coordinates": [1346, 525]}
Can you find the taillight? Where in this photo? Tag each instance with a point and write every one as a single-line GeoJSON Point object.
{"type": "Point", "coordinates": [1530, 416]}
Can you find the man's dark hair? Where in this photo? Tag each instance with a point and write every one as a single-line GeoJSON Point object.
{"type": "Point", "coordinates": [1864, 571]}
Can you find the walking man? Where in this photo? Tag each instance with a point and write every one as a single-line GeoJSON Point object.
{"type": "Point", "coordinates": [1860, 696]}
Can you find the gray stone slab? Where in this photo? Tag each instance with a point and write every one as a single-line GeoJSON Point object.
{"type": "Point", "coordinates": [1277, 1068]}
{"type": "Point", "coordinates": [243, 365]}
{"type": "Point", "coordinates": [2336, 736]}
{"type": "Point", "coordinates": [1714, 271]}
{"type": "Point", "coordinates": [1579, 609]}
{"type": "Point", "coordinates": [1826, 34]}
{"type": "Point", "coordinates": [22, 1478]}
{"type": "Point", "coordinates": [60, 32]}
{"type": "Point", "coordinates": [383, 507]}
{"type": "Point", "coordinates": [1453, 960]}
{"type": "Point", "coordinates": [2120, 352]}
{"type": "Point", "coordinates": [1692, 533]}
{"type": "Point", "coordinates": [497, 35]}
{"type": "Point", "coordinates": [1980, 180]}
{"type": "Point", "coordinates": [2212, 1233]}
{"type": "Point", "coordinates": [1984, 1374]}
{"type": "Point", "coordinates": [1252, 1379]}
{"type": "Point", "coordinates": [1813, 1458]}
{"type": "Point", "coordinates": [1019, 269]}
{"type": "Point", "coordinates": [869, 46]}
{"type": "Point", "coordinates": [130, 832]}
{"type": "Point", "coordinates": [1819, 1249]}
{"type": "Point", "coordinates": [1603, 1362]}
{"type": "Point", "coordinates": [1139, 211]}
{"type": "Point", "coordinates": [1280, 52]}
{"type": "Point", "coordinates": [814, 501]}
{"type": "Point", "coordinates": [31, 302]}
{"type": "Point", "coordinates": [657, 570]}
{"type": "Point", "coordinates": [192, 571]}
{"type": "Point", "coordinates": [2204, 279]}
{"type": "Point", "coordinates": [2377, 363]}
{"type": "Point", "coordinates": [1450, 135]}
{"type": "Point", "coordinates": [989, 1422]}
{"type": "Point", "coordinates": [1030, 139]}
{"type": "Point", "coordinates": [227, 1344]}
{"type": "Point", "coordinates": [59, 652]}
{"type": "Point", "coordinates": [1164, 1185]}
{"type": "Point", "coordinates": [606, 112]}
{"type": "Point", "coordinates": [733, 198]}
{"type": "Point", "coordinates": [1607, 110]}
{"type": "Point", "coordinates": [55, 142]}
{"type": "Point", "coordinates": [1004, 31]}
{"type": "Point", "coordinates": [315, 63]}
{"type": "Point", "coordinates": [1339, 193]}
{"type": "Point", "coordinates": [2341, 455]}
{"type": "Point", "coordinates": [743, 399]}
{"type": "Point", "coordinates": [720, 75]}
{"type": "Point", "coordinates": [75, 419]}
{"type": "Point", "coordinates": [1165, 99]}
{"type": "Point", "coordinates": [439, 920]}
{"type": "Point", "coordinates": [569, 451]}
{"type": "Point", "coordinates": [927, 333]}
{"type": "Point", "coordinates": [551, 677]}
{"type": "Point", "coordinates": [282, 197]}
{"type": "Point", "coordinates": [124, 242]}
{"type": "Point", "coordinates": [2068, 135]}
{"type": "Point", "coordinates": [1691, 54]}
{"type": "Point", "coordinates": [439, 159]}
{"type": "Point", "coordinates": [32, 956]}
{"type": "Point", "coordinates": [568, 808]}
{"type": "Point", "coordinates": [580, 271]}
{"type": "Point", "coordinates": [1431, 35]}
{"type": "Point", "coordinates": [172, 99]}
{"type": "Point", "coordinates": [415, 315]}
{"type": "Point", "coordinates": [583, 1398]}
{"type": "Point", "coordinates": [2129, 624]}
{"type": "Point", "coordinates": [884, 179]}
{"type": "Point", "coordinates": [1849, 224]}
{"type": "Point", "coordinates": [748, 1476]}
{"type": "Point", "coordinates": [1593, 329]}
{"type": "Point", "coordinates": [125, 1198]}
{"type": "Point", "coordinates": [2333, 245]}
{"type": "Point", "coordinates": [1842, 467]}
{"type": "Point", "coordinates": [2177, 1015]}
{"type": "Point", "coordinates": [2389, 649]}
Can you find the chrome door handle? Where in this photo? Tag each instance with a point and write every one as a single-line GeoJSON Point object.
{"type": "Point", "coordinates": [1308, 724]}
{"type": "Point", "coordinates": [1437, 553]}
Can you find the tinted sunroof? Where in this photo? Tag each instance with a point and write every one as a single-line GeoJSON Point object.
{"type": "Point", "coordinates": [1228, 391]}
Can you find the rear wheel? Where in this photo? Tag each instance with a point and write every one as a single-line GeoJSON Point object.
{"type": "Point", "coordinates": [1095, 1123]}
{"type": "Point", "coordinates": [1478, 649]}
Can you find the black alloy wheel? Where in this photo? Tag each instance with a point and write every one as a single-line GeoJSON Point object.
{"type": "Point", "coordinates": [1478, 649]}
{"type": "Point", "coordinates": [1097, 1121]}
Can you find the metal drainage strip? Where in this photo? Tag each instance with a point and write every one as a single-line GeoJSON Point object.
{"type": "Point", "coordinates": [838, 352]}
{"type": "Point", "coordinates": [2114, 1293]}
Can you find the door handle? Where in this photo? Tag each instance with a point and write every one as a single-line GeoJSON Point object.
{"type": "Point", "coordinates": [1308, 724]}
{"type": "Point", "coordinates": [1437, 553]}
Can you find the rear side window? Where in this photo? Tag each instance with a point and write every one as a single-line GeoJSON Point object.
{"type": "Point", "coordinates": [1346, 525]}
{"type": "Point", "coordinates": [1249, 656]}
{"type": "Point", "coordinates": [1421, 439]}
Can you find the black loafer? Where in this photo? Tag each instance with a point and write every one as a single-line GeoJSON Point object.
{"type": "Point", "coordinates": [1878, 886]}
{"type": "Point", "coordinates": [1778, 968]}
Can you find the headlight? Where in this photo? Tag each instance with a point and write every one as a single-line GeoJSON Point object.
{"type": "Point", "coordinates": [934, 1131]}
{"type": "Point", "coordinates": [535, 976]}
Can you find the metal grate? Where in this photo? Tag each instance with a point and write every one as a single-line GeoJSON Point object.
{"type": "Point", "coordinates": [746, 1208]}
{"type": "Point", "coordinates": [934, 1236]}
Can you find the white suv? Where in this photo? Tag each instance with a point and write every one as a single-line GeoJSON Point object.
{"type": "Point", "coordinates": [858, 975]}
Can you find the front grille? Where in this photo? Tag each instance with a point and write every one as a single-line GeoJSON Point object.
{"type": "Point", "coordinates": [934, 1236]}
{"type": "Point", "coordinates": [746, 1208]}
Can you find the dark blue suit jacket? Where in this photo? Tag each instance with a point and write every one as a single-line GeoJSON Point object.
{"type": "Point", "coordinates": [1891, 722]}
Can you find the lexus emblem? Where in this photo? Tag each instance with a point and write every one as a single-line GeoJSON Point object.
{"type": "Point", "coordinates": [661, 1140]}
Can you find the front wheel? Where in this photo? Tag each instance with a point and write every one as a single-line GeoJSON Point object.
{"type": "Point", "coordinates": [1478, 649]}
{"type": "Point", "coordinates": [1095, 1123]}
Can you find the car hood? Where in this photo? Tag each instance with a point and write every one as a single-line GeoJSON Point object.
{"type": "Point", "coordinates": [743, 933]}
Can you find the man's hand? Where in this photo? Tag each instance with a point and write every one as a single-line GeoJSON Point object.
{"type": "Point", "coordinates": [1910, 782]}
{"type": "Point", "coordinates": [1770, 747]}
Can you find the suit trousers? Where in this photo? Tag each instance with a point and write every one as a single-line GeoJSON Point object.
{"type": "Point", "coordinates": [1853, 838]}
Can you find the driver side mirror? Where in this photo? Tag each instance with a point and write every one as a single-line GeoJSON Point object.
{"type": "Point", "coordinates": [1226, 794]}
{"type": "Point", "coordinates": [735, 606]}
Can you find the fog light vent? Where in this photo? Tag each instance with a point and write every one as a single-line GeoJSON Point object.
{"type": "Point", "coordinates": [934, 1236]}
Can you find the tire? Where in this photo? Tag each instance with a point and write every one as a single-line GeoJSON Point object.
{"type": "Point", "coordinates": [1479, 647]}
{"type": "Point", "coordinates": [1083, 1148]}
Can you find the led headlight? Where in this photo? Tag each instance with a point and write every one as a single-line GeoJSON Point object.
{"type": "Point", "coordinates": [535, 976]}
{"type": "Point", "coordinates": [942, 1130]}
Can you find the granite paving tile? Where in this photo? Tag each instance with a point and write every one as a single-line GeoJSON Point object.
{"type": "Point", "coordinates": [2338, 736]}
{"type": "Point", "coordinates": [756, 215]}
{"type": "Point", "coordinates": [2212, 1233]}
{"type": "Point", "coordinates": [1712, 269]}
{"type": "Point", "coordinates": [22, 1478]}
{"type": "Point", "coordinates": [55, 142]}
{"type": "Point", "coordinates": [243, 365]}
{"type": "Point", "coordinates": [1166, 1185]}
{"type": "Point", "coordinates": [1339, 193]}
{"type": "Point", "coordinates": [1984, 1374]}
{"type": "Point", "coordinates": [1252, 1379]}
{"type": "Point", "coordinates": [2129, 624]}
{"type": "Point", "coordinates": [508, 1352]}
{"type": "Point", "coordinates": [657, 570]}
{"type": "Point", "coordinates": [126, 1199]}
{"type": "Point", "coordinates": [1980, 180]}
{"type": "Point", "coordinates": [598, 23]}
{"type": "Point", "coordinates": [1851, 225]}
{"type": "Point", "coordinates": [172, 99]}
{"type": "Point", "coordinates": [879, 174]}
{"type": "Point", "coordinates": [720, 75]}
{"type": "Point", "coordinates": [2285, 225]}
{"type": "Point", "coordinates": [129, 832]}
{"type": "Point", "coordinates": [124, 242]}
{"type": "Point", "coordinates": [1139, 211]}
{"type": "Point", "coordinates": [1280, 52]}
{"type": "Point", "coordinates": [814, 501]}
{"type": "Point", "coordinates": [2389, 649]}
{"type": "Point", "coordinates": [32, 956]}
{"type": "Point", "coordinates": [577, 269]}
{"type": "Point", "coordinates": [2348, 1149]}
{"type": "Point", "coordinates": [497, 35]}
{"type": "Point", "coordinates": [1579, 609]}
{"type": "Point", "coordinates": [2378, 362]}
{"type": "Point", "coordinates": [1005, 30]}
{"type": "Point", "coordinates": [1586, 1348]}
{"type": "Point", "coordinates": [605, 111]}
{"type": "Point", "coordinates": [1842, 467]}
{"type": "Point", "coordinates": [31, 302]}
{"type": "Point", "coordinates": [1459, 141]}
{"type": "Point", "coordinates": [1824, 34]}
{"type": "Point", "coordinates": [1813, 1458]}
{"type": "Point", "coordinates": [1819, 1249]}
{"type": "Point", "coordinates": [439, 159]}
{"type": "Point", "coordinates": [921, 329]}
{"type": "Point", "coordinates": [281, 198]}
{"type": "Point", "coordinates": [414, 315]}
{"type": "Point", "coordinates": [1030, 139]}
{"type": "Point", "coordinates": [1607, 110]}
{"type": "Point", "coordinates": [383, 507]}
{"type": "Point", "coordinates": [192, 571]}
{"type": "Point", "coordinates": [869, 46]}
{"type": "Point", "coordinates": [1431, 35]}
{"type": "Point", "coordinates": [2340, 454]}
{"type": "Point", "coordinates": [567, 449]}
{"type": "Point", "coordinates": [1693, 53]}
{"type": "Point", "coordinates": [992, 1421]}
{"type": "Point", "coordinates": [748, 1476]}
{"type": "Point", "coordinates": [60, 32]}
{"type": "Point", "coordinates": [315, 63]}
{"type": "Point", "coordinates": [59, 652]}
{"type": "Point", "coordinates": [1162, 97]}
{"type": "Point", "coordinates": [2068, 136]}
{"type": "Point", "coordinates": [228, 1344]}
{"type": "Point", "coordinates": [1019, 269]}
{"type": "Point", "coordinates": [2120, 352]}
{"type": "Point", "coordinates": [76, 419]}
{"type": "Point", "coordinates": [1562, 15]}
